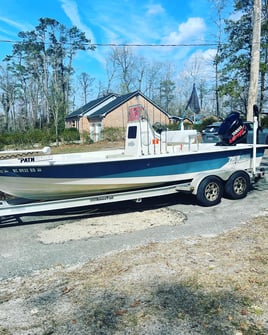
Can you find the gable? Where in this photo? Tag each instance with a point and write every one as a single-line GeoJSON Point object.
{"type": "Point", "coordinates": [119, 101]}
{"type": "Point", "coordinates": [103, 111]}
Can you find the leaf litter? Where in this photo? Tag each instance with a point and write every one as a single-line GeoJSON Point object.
{"type": "Point", "coordinates": [202, 285]}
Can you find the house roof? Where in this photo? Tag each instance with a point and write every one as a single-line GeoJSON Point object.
{"type": "Point", "coordinates": [98, 109]}
{"type": "Point", "coordinates": [89, 106]}
{"type": "Point", "coordinates": [120, 100]}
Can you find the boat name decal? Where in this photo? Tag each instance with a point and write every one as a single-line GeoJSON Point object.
{"type": "Point", "coordinates": [234, 159]}
{"type": "Point", "coordinates": [238, 159]}
{"type": "Point", "coordinates": [27, 159]}
{"type": "Point", "coordinates": [35, 159]}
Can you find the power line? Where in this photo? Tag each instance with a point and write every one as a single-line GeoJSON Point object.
{"type": "Point", "coordinates": [155, 45]}
{"type": "Point", "coordinates": [132, 45]}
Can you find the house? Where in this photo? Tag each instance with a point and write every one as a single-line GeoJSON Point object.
{"type": "Point", "coordinates": [112, 111]}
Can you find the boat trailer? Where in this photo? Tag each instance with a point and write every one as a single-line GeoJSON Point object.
{"type": "Point", "coordinates": [208, 189]}
{"type": "Point", "coordinates": [14, 207]}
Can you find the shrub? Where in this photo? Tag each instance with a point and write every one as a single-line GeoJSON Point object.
{"type": "Point", "coordinates": [33, 136]}
{"type": "Point", "coordinates": [85, 138]}
{"type": "Point", "coordinates": [16, 139]}
{"type": "Point", "coordinates": [22, 140]}
{"type": "Point", "coordinates": [113, 134]}
{"type": "Point", "coordinates": [70, 135]}
{"type": "Point", "coordinates": [2, 142]}
{"type": "Point", "coordinates": [48, 137]}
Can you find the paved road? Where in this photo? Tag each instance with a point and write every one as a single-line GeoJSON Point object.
{"type": "Point", "coordinates": [21, 252]}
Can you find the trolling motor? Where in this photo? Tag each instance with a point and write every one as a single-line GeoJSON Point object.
{"type": "Point", "coordinates": [232, 130]}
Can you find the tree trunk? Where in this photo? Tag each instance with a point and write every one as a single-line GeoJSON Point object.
{"type": "Point", "coordinates": [255, 59]}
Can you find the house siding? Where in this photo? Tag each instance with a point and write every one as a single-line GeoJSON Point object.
{"type": "Point", "coordinates": [83, 125]}
{"type": "Point", "coordinates": [118, 117]}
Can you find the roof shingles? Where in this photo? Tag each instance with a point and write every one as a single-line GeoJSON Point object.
{"type": "Point", "coordinates": [89, 106]}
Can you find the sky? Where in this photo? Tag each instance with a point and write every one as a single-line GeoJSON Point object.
{"type": "Point", "coordinates": [160, 22]}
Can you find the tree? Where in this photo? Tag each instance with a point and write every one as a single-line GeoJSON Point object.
{"type": "Point", "coordinates": [8, 97]}
{"type": "Point", "coordinates": [218, 6]}
{"type": "Point", "coordinates": [127, 72]}
{"type": "Point", "coordinates": [235, 57]}
{"type": "Point", "coordinates": [86, 82]}
{"type": "Point", "coordinates": [123, 61]}
{"type": "Point", "coordinates": [152, 79]}
{"type": "Point", "coordinates": [264, 55]}
{"type": "Point", "coordinates": [167, 88]}
{"type": "Point", "coordinates": [42, 63]}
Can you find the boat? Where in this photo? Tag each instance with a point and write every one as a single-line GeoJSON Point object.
{"type": "Point", "coordinates": [149, 159]}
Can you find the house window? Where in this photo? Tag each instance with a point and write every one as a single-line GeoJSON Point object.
{"type": "Point", "coordinates": [73, 124]}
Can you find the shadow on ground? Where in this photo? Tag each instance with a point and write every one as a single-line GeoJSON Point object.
{"type": "Point", "coordinates": [165, 309]}
{"type": "Point", "coordinates": [100, 210]}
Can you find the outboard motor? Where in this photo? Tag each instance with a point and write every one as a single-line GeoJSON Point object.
{"type": "Point", "coordinates": [232, 130]}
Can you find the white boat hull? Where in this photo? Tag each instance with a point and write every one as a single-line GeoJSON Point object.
{"type": "Point", "coordinates": [109, 174]}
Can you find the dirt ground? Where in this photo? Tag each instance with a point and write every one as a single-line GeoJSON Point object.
{"type": "Point", "coordinates": [101, 226]}
{"type": "Point", "coordinates": [201, 285]}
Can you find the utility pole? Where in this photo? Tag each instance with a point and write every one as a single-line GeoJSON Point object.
{"type": "Point", "coordinates": [255, 59]}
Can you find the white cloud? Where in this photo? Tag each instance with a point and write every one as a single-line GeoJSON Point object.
{"type": "Point", "coordinates": [200, 63]}
{"type": "Point", "coordinates": [154, 9]}
{"type": "Point", "coordinates": [209, 54]}
{"type": "Point", "coordinates": [111, 24]}
{"type": "Point", "coordinates": [205, 55]}
{"type": "Point", "coordinates": [4, 33]}
{"type": "Point", "coordinates": [71, 10]}
{"type": "Point", "coordinates": [14, 24]}
{"type": "Point", "coordinates": [188, 32]}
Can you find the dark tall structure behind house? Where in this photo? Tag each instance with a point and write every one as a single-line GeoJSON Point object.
{"type": "Point", "coordinates": [193, 102]}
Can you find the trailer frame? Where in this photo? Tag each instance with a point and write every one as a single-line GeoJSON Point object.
{"type": "Point", "coordinates": [24, 207]}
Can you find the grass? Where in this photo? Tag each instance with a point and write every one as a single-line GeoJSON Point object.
{"type": "Point", "coordinates": [71, 148]}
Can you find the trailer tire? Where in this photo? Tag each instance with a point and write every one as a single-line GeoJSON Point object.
{"type": "Point", "coordinates": [210, 191]}
{"type": "Point", "coordinates": [237, 186]}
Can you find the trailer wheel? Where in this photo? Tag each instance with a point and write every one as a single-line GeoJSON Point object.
{"type": "Point", "coordinates": [210, 191]}
{"type": "Point", "coordinates": [237, 185]}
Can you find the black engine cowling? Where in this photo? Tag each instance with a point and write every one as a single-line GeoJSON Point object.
{"type": "Point", "coordinates": [232, 130]}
